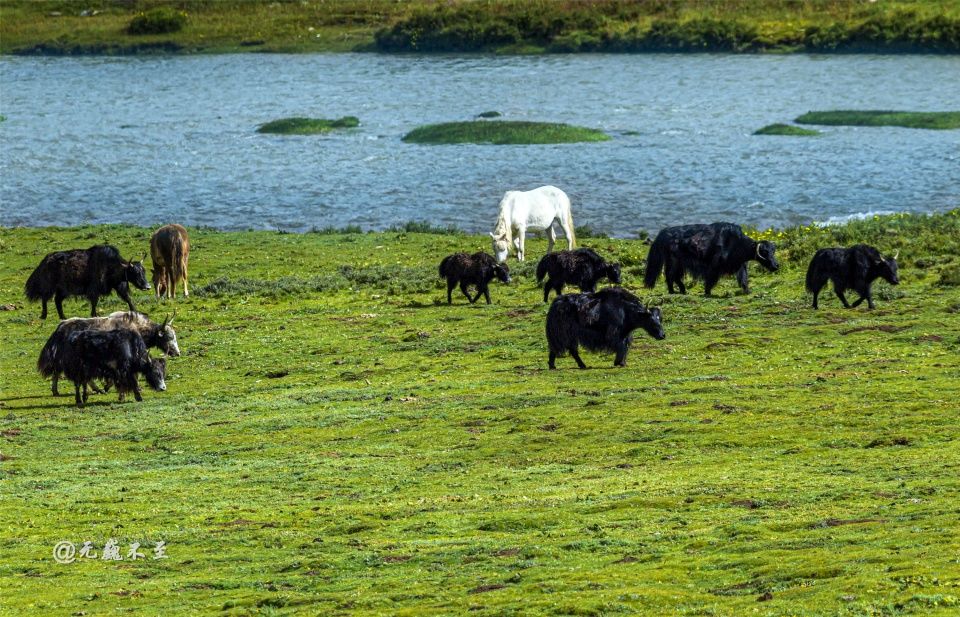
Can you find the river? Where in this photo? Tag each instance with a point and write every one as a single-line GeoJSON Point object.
{"type": "Point", "coordinates": [151, 140]}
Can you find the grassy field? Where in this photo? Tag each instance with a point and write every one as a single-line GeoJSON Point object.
{"type": "Point", "coordinates": [511, 26]}
{"type": "Point", "coordinates": [336, 440]}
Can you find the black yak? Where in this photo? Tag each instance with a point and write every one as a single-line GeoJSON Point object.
{"type": "Point", "coordinates": [91, 273]}
{"type": "Point", "coordinates": [582, 267]}
{"type": "Point", "coordinates": [162, 336]}
{"type": "Point", "coordinates": [707, 252]}
{"type": "Point", "coordinates": [170, 253]}
{"type": "Point", "coordinates": [477, 270]}
{"type": "Point", "coordinates": [603, 320]}
{"type": "Point", "coordinates": [850, 268]}
{"type": "Point", "coordinates": [114, 356]}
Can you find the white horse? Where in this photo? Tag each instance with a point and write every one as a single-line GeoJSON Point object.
{"type": "Point", "coordinates": [538, 209]}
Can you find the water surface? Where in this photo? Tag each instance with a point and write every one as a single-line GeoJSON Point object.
{"type": "Point", "coordinates": [162, 139]}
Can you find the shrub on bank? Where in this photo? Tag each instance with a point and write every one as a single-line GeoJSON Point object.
{"type": "Point", "coordinates": [161, 20]}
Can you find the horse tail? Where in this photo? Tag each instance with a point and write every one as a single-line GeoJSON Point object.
{"type": "Point", "coordinates": [573, 233]}
{"type": "Point", "coordinates": [654, 263]}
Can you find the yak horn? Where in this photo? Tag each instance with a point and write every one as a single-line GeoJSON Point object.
{"type": "Point", "coordinates": [897, 254]}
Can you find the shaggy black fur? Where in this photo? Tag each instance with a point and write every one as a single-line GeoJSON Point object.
{"type": "Point", "coordinates": [113, 356]}
{"type": "Point", "coordinates": [477, 270]}
{"type": "Point", "coordinates": [91, 273]}
{"type": "Point", "coordinates": [582, 267]}
{"type": "Point", "coordinates": [162, 336]}
{"type": "Point", "coordinates": [604, 320]}
{"type": "Point", "coordinates": [853, 268]}
{"type": "Point", "coordinates": [707, 252]}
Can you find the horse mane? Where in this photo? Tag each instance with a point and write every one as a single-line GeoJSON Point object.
{"type": "Point", "coordinates": [504, 227]}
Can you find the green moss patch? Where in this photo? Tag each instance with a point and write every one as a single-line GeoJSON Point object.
{"type": "Point", "coordinates": [501, 132]}
{"type": "Point", "coordinates": [908, 119]}
{"type": "Point", "coordinates": [307, 126]}
{"type": "Point", "coordinates": [786, 129]}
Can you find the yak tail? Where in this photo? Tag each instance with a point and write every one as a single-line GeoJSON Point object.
{"type": "Point", "coordinates": [654, 264]}
{"type": "Point", "coordinates": [811, 271]}
{"type": "Point", "coordinates": [35, 289]}
{"type": "Point", "coordinates": [542, 267]}
{"type": "Point", "coordinates": [47, 359]}
{"type": "Point", "coordinates": [443, 265]}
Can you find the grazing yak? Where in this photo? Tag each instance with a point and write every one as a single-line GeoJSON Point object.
{"type": "Point", "coordinates": [116, 357]}
{"type": "Point", "coordinates": [603, 320]}
{"type": "Point", "coordinates": [91, 273]}
{"type": "Point", "coordinates": [581, 267]}
{"type": "Point", "coordinates": [853, 268]}
{"type": "Point", "coordinates": [162, 336]}
{"type": "Point", "coordinates": [170, 253]}
{"type": "Point", "coordinates": [707, 252]}
{"type": "Point", "coordinates": [477, 270]}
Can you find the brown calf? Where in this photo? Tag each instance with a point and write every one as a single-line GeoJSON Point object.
{"type": "Point", "coordinates": [170, 251]}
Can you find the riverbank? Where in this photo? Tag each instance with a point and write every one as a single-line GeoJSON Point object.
{"type": "Point", "coordinates": [505, 26]}
{"type": "Point", "coordinates": [336, 439]}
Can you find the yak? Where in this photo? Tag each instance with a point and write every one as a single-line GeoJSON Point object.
{"type": "Point", "coordinates": [91, 273]}
{"type": "Point", "coordinates": [113, 356]}
{"type": "Point", "coordinates": [582, 267]}
{"type": "Point", "coordinates": [853, 268]}
{"type": "Point", "coordinates": [477, 270]}
{"type": "Point", "coordinates": [602, 320]}
{"type": "Point", "coordinates": [707, 252]}
{"type": "Point", "coordinates": [170, 253]}
{"type": "Point", "coordinates": [162, 336]}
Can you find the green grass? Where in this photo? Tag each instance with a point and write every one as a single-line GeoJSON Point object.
{"type": "Point", "coordinates": [336, 440]}
{"type": "Point", "coordinates": [787, 130]}
{"type": "Point", "coordinates": [307, 126]}
{"type": "Point", "coordinates": [506, 26]}
{"type": "Point", "coordinates": [502, 132]}
{"type": "Point", "coordinates": [908, 119]}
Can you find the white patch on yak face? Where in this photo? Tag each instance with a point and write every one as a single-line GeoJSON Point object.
{"type": "Point", "coordinates": [170, 346]}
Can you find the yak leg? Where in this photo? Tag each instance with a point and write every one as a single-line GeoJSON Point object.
{"type": "Point", "coordinates": [743, 279]}
{"type": "Point", "coordinates": [463, 288]}
{"type": "Point", "coordinates": [552, 361]}
{"type": "Point", "coordinates": [53, 384]}
{"type": "Point", "coordinates": [125, 294]}
{"type": "Point", "coordinates": [710, 281]}
{"type": "Point", "coordinates": [86, 393]}
{"type": "Point", "coordinates": [547, 286]}
{"type": "Point", "coordinates": [43, 313]}
{"type": "Point", "coordinates": [621, 359]}
{"type": "Point", "coordinates": [485, 289]}
{"type": "Point", "coordinates": [137, 393]}
{"type": "Point", "coordinates": [58, 300]}
{"type": "Point", "coordinates": [551, 238]}
{"type": "Point", "coordinates": [839, 291]}
{"type": "Point", "coordinates": [816, 294]}
{"type": "Point", "coordinates": [868, 296]}
{"type": "Point", "coordinates": [576, 356]}
{"type": "Point", "coordinates": [76, 388]}
{"type": "Point", "coordinates": [93, 305]}
{"type": "Point", "coordinates": [450, 285]}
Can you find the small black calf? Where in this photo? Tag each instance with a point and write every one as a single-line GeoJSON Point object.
{"type": "Point", "coordinates": [477, 270]}
{"type": "Point", "coordinates": [582, 267]}
{"type": "Point", "coordinates": [853, 268]}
